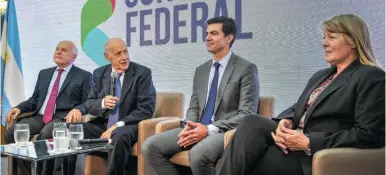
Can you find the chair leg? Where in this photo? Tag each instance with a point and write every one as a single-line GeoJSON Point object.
{"type": "Point", "coordinates": [94, 165]}
{"type": "Point", "coordinates": [141, 165]}
{"type": "Point", "coordinates": [10, 165]}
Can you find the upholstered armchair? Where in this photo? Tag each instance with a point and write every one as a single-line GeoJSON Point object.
{"type": "Point", "coordinates": [349, 161]}
{"type": "Point", "coordinates": [336, 161]}
{"type": "Point", "coordinates": [169, 105]}
{"type": "Point", "coordinates": [182, 158]}
{"type": "Point", "coordinates": [342, 161]}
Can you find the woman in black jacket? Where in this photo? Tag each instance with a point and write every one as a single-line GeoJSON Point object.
{"type": "Point", "coordinates": [341, 106]}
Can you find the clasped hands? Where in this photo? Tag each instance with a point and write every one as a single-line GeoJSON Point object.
{"type": "Point", "coordinates": [288, 139]}
{"type": "Point", "coordinates": [191, 134]}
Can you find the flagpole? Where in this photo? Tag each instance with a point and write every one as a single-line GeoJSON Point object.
{"type": "Point", "coordinates": [3, 6]}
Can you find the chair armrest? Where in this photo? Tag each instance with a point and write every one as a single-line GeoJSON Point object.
{"type": "Point", "coordinates": [349, 161]}
{"type": "Point", "coordinates": [21, 115]}
{"type": "Point", "coordinates": [85, 118]}
{"type": "Point", "coordinates": [228, 136]}
{"type": "Point", "coordinates": [146, 128]}
{"type": "Point", "coordinates": [88, 117]}
{"type": "Point", "coordinates": [167, 125]}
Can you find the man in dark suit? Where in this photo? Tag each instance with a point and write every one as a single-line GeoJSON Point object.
{"type": "Point", "coordinates": [225, 89]}
{"type": "Point", "coordinates": [118, 116]}
{"type": "Point", "coordinates": [58, 91]}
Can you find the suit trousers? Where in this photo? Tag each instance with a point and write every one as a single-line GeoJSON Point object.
{"type": "Point", "coordinates": [252, 151]}
{"type": "Point", "coordinates": [158, 149]}
{"type": "Point", "coordinates": [44, 131]}
{"type": "Point", "coordinates": [36, 126]}
{"type": "Point", "coordinates": [123, 139]}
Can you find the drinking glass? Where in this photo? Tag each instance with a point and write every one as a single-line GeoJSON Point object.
{"type": "Point", "coordinates": [76, 133]}
{"type": "Point", "coordinates": [60, 125]}
{"type": "Point", "coordinates": [61, 137]}
{"type": "Point", "coordinates": [21, 134]}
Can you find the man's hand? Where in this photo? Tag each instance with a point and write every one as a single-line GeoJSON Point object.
{"type": "Point", "coordinates": [107, 133]}
{"type": "Point", "coordinates": [194, 135]}
{"type": "Point", "coordinates": [12, 114]}
{"type": "Point", "coordinates": [186, 128]}
{"type": "Point", "coordinates": [75, 115]}
{"type": "Point", "coordinates": [110, 101]}
{"type": "Point", "coordinates": [294, 140]}
{"type": "Point", "coordinates": [279, 141]}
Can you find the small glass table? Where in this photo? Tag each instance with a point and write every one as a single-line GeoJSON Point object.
{"type": "Point", "coordinates": [42, 150]}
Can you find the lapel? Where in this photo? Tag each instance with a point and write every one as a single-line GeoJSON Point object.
{"type": "Point", "coordinates": [338, 82]}
{"type": "Point", "coordinates": [127, 81]}
{"type": "Point", "coordinates": [202, 84]}
{"type": "Point", "coordinates": [224, 80]}
{"type": "Point", "coordinates": [106, 80]}
{"type": "Point", "coordinates": [69, 76]}
{"type": "Point", "coordinates": [302, 102]}
{"type": "Point", "coordinates": [46, 79]}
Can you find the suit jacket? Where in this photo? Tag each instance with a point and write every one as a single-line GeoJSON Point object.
{"type": "Point", "coordinates": [72, 93]}
{"type": "Point", "coordinates": [237, 95]}
{"type": "Point", "coordinates": [138, 95]}
{"type": "Point", "coordinates": [350, 112]}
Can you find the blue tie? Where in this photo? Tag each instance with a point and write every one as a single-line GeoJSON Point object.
{"type": "Point", "coordinates": [114, 114]}
{"type": "Point", "coordinates": [209, 108]}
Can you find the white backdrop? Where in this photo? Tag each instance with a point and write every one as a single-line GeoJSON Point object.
{"type": "Point", "coordinates": [285, 41]}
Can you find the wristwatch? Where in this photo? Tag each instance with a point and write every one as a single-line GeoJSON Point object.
{"type": "Point", "coordinates": [183, 123]}
{"type": "Point", "coordinates": [308, 150]}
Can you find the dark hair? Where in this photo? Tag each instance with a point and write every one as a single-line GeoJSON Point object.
{"type": "Point", "coordinates": [228, 26]}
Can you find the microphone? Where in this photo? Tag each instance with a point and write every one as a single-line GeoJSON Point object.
{"type": "Point", "coordinates": [93, 142]}
{"type": "Point", "coordinates": [114, 76]}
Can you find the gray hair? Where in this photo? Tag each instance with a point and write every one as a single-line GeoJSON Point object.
{"type": "Point", "coordinates": [107, 44]}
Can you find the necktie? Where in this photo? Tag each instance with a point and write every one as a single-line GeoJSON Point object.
{"type": "Point", "coordinates": [209, 108]}
{"type": "Point", "coordinates": [114, 114]}
{"type": "Point", "coordinates": [49, 111]}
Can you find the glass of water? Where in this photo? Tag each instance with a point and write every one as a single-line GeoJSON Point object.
{"type": "Point", "coordinates": [59, 125]}
{"type": "Point", "coordinates": [21, 134]}
{"type": "Point", "coordinates": [76, 133]}
{"type": "Point", "coordinates": [61, 137]}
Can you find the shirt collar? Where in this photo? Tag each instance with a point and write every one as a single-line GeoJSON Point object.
{"type": "Point", "coordinates": [113, 70]}
{"type": "Point", "coordinates": [66, 69]}
{"type": "Point", "coordinates": [224, 61]}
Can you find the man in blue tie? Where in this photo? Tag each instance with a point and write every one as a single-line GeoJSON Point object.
{"type": "Point", "coordinates": [225, 89]}
{"type": "Point", "coordinates": [118, 113]}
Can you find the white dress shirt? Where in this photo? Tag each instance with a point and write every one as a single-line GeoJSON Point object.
{"type": "Point", "coordinates": [223, 64]}
{"type": "Point", "coordinates": [53, 79]}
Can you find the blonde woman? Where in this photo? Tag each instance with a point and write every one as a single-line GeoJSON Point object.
{"type": "Point", "coordinates": [341, 106]}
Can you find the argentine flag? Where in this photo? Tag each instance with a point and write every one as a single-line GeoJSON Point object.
{"type": "Point", "coordinates": [12, 86]}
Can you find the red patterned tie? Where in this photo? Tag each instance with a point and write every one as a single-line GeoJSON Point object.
{"type": "Point", "coordinates": [49, 111]}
